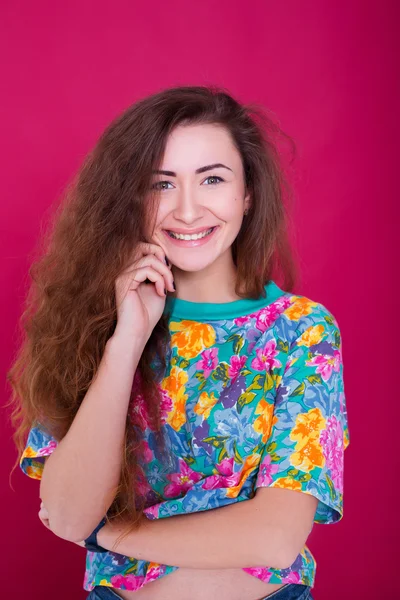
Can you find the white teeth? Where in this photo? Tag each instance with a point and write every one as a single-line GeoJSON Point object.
{"type": "Point", "coordinates": [196, 236]}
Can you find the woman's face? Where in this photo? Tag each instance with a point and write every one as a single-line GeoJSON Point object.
{"type": "Point", "coordinates": [208, 203]}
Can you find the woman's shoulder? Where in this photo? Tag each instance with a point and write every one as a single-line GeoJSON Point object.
{"type": "Point", "coordinates": [303, 311]}
{"type": "Point", "coordinates": [295, 310]}
{"type": "Point", "coordinates": [291, 320]}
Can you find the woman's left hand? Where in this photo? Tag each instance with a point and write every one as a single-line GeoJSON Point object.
{"type": "Point", "coordinates": [44, 517]}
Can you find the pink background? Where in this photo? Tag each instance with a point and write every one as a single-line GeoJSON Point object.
{"type": "Point", "coordinates": [327, 69]}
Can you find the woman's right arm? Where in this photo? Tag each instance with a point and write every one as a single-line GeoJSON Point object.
{"type": "Point", "coordinates": [80, 478]}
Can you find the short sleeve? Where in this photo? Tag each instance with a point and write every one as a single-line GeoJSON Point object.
{"type": "Point", "coordinates": [309, 432]}
{"type": "Point", "coordinates": [39, 445]}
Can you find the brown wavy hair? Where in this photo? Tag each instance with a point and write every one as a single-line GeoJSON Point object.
{"type": "Point", "coordinates": [70, 310]}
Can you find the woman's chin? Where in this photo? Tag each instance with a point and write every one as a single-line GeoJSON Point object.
{"type": "Point", "coordinates": [191, 264]}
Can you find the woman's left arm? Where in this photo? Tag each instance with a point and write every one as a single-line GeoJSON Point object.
{"type": "Point", "coordinates": [270, 529]}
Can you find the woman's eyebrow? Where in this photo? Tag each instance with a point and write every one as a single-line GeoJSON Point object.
{"type": "Point", "coordinates": [200, 170]}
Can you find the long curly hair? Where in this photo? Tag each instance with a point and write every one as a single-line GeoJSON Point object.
{"type": "Point", "coordinates": [70, 310]}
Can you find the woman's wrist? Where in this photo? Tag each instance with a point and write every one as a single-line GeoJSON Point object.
{"type": "Point", "coordinates": [120, 344]}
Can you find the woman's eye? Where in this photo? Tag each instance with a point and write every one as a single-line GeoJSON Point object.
{"type": "Point", "coordinates": [161, 185]}
{"type": "Point", "coordinates": [158, 184]}
{"type": "Point", "coordinates": [214, 177]}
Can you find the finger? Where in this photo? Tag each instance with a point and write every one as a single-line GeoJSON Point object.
{"type": "Point", "coordinates": [45, 522]}
{"type": "Point", "coordinates": [148, 248]}
{"type": "Point", "coordinates": [155, 263]}
{"type": "Point", "coordinates": [148, 273]}
{"type": "Point", "coordinates": [145, 248]}
{"type": "Point", "coordinates": [43, 511]}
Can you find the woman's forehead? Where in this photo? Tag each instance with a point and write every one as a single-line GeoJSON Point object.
{"type": "Point", "coordinates": [193, 147]}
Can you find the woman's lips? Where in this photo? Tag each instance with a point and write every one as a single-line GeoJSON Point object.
{"type": "Point", "coordinates": [191, 243]}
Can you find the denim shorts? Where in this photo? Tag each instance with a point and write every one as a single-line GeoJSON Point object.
{"type": "Point", "coordinates": [290, 591]}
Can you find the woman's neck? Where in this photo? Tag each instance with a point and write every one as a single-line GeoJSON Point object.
{"type": "Point", "coordinates": [215, 283]}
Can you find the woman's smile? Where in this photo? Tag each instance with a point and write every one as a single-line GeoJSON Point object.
{"type": "Point", "coordinates": [187, 240]}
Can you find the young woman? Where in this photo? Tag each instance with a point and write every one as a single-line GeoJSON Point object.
{"type": "Point", "coordinates": [186, 414]}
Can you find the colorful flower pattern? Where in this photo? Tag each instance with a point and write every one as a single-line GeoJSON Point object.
{"type": "Point", "coordinates": [248, 401]}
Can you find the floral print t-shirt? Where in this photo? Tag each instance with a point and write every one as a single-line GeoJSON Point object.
{"type": "Point", "coordinates": [252, 396]}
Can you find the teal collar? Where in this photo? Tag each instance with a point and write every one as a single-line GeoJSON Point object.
{"type": "Point", "coordinates": [211, 311]}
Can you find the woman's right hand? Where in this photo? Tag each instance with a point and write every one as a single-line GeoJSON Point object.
{"type": "Point", "coordinates": [140, 305]}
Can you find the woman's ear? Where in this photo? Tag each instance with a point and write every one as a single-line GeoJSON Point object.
{"type": "Point", "coordinates": [247, 203]}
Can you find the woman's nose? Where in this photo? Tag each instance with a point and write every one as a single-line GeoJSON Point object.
{"type": "Point", "coordinates": [187, 208]}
